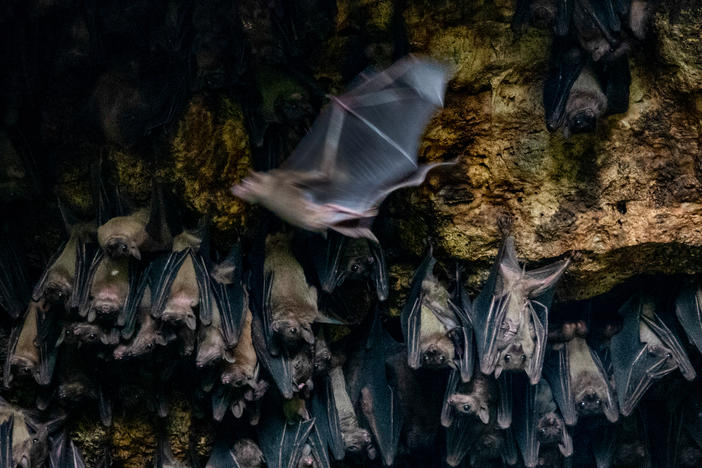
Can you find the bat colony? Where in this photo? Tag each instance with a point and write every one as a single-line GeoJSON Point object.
{"type": "Point", "coordinates": [490, 382]}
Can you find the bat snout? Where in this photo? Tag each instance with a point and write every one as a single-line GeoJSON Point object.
{"type": "Point", "coordinates": [117, 247]}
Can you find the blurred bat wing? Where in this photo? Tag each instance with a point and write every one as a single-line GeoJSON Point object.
{"type": "Point", "coordinates": [366, 140]}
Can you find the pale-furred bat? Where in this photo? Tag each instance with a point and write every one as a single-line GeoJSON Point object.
{"type": "Point", "coordinates": [144, 230]}
{"type": "Point", "coordinates": [181, 284]}
{"type": "Point", "coordinates": [230, 296]}
{"type": "Point", "coordinates": [244, 453]}
{"type": "Point", "coordinates": [646, 349]}
{"type": "Point", "coordinates": [436, 327]}
{"type": "Point", "coordinates": [474, 398]}
{"type": "Point", "coordinates": [361, 148]}
{"type": "Point", "coordinates": [106, 287]}
{"type": "Point", "coordinates": [32, 348]}
{"type": "Point", "coordinates": [510, 316]}
{"type": "Point", "coordinates": [579, 382]}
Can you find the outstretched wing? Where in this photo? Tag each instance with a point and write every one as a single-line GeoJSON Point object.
{"type": "Point", "coordinates": [366, 140]}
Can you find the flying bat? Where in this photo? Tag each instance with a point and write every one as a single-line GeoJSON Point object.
{"type": "Point", "coordinates": [144, 230]}
{"type": "Point", "coordinates": [510, 315]}
{"type": "Point", "coordinates": [342, 258]}
{"type": "Point", "coordinates": [361, 148]}
{"type": "Point", "coordinates": [579, 383]}
{"type": "Point", "coordinates": [646, 349]}
{"type": "Point", "coordinates": [435, 325]}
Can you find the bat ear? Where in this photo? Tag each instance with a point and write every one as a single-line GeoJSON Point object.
{"type": "Point", "coordinates": [161, 340]}
{"type": "Point", "coordinates": [484, 415]}
{"type": "Point", "coordinates": [307, 334]}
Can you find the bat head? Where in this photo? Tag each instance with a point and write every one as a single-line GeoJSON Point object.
{"type": "Point", "coordinates": [248, 454]}
{"type": "Point", "coordinates": [74, 391]}
{"type": "Point", "coordinates": [307, 459]}
{"type": "Point", "coordinates": [588, 402]}
{"type": "Point", "coordinates": [438, 355]}
{"type": "Point", "coordinates": [468, 404]}
{"type": "Point", "coordinates": [293, 332]}
{"type": "Point", "coordinates": [357, 440]}
{"type": "Point", "coordinates": [207, 354]}
{"type": "Point", "coordinates": [85, 332]}
{"type": "Point", "coordinates": [302, 368]}
{"type": "Point", "coordinates": [180, 312]}
{"type": "Point", "coordinates": [105, 305]}
{"type": "Point", "coordinates": [543, 13]}
{"type": "Point", "coordinates": [549, 428]}
{"type": "Point", "coordinates": [322, 360]}
{"type": "Point", "coordinates": [143, 343]}
{"type": "Point", "coordinates": [512, 358]}
{"type": "Point", "coordinates": [489, 445]}
{"type": "Point", "coordinates": [58, 287]}
{"type": "Point", "coordinates": [235, 376]}
{"type": "Point", "coordinates": [120, 237]}
{"type": "Point", "coordinates": [582, 121]}
{"type": "Point", "coordinates": [24, 365]}
{"type": "Point", "coordinates": [39, 446]}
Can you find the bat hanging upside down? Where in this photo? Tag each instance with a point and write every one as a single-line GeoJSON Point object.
{"type": "Point", "coordinates": [361, 148]}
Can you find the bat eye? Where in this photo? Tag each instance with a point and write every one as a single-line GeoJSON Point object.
{"type": "Point", "coordinates": [355, 268]}
{"type": "Point", "coordinates": [598, 402]}
{"type": "Point", "coordinates": [93, 336]}
{"type": "Point", "coordinates": [149, 346]}
{"type": "Point", "coordinates": [582, 404]}
{"type": "Point", "coordinates": [542, 430]}
{"type": "Point", "coordinates": [668, 356]}
{"type": "Point", "coordinates": [523, 357]}
{"type": "Point", "coordinates": [293, 331]}
{"type": "Point", "coordinates": [426, 358]}
{"type": "Point", "coordinates": [466, 407]}
{"type": "Point", "coordinates": [69, 332]}
{"type": "Point", "coordinates": [35, 440]}
{"type": "Point", "coordinates": [508, 357]}
{"type": "Point", "coordinates": [441, 359]}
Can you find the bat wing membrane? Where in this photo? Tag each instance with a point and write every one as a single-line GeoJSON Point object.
{"type": "Point", "coordinates": [557, 373]}
{"type": "Point", "coordinates": [411, 317]}
{"type": "Point", "coordinates": [6, 430]}
{"type": "Point", "coordinates": [688, 309]}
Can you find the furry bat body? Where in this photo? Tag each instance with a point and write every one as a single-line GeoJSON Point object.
{"type": "Point", "coordinates": [59, 282]}
{"type": "Point", "coordinates": [579, 383]}
{"type": "Point", "coordinates": [510, 316]}
{"type": "Point", "coordinates": [107, 285]}
{"type": "Point", "coordinates": [291, 300]}
{"type": "Point", "coordinates": [435, 325]}
{"type": "Point", "coordinates": [647, 349]}
{"type": "Point", "coordinates": [182, 285]}
{"type": "Point", "coordinates": [244, 453]}
{"type": "Point", "coordinates": [145, 230]}
{"type": "Point", "coordinates": [80, 333]}
{"type": "Point", "coordinates": [32, 348]}
{"type": "Point", "coordinates": [474, 398]}
{"type": "Point", "coordinates": [344, 258]}
{"type": "Point", "coordinates": [359, 150]}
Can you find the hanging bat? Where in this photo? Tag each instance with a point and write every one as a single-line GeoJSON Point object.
{"type": "Point", "coordinates": [210, 344]}
{"type": "Point", "coordinates": [343, 258]}
{"type": "Point", "coordinates": [375, 393]}
{"type": "Point", "coordinates": [359, 150]}
{"type": "Point", "coordinates": [337, 420]}
{"type": "Point", "coordinates": [145, 230]}
{"type": "Point", "coordinates": [510, 315]}
{"type": "Point", "coordinates": [647, 349]}
{"type": "Point", "coordinates": [182, 284]}
{"type": "Point", "coordinates": [537, 422]}
{"type": "Point", "coordinates": [244, 453]}
{"type": "Point", "coordinates": [473, 398]}
{"type": "Point", "coordinates": [67, 269]}
{"type": "Point", "coordinates": [435, 325]}
{"type": "Point", "coordinates": [487, 444]}
{"type": "Point", "coordinates": [230, 296]}
{"type": "Point", "coordinates": [243, 368]}
{"type": "Point", "coordinates": [24, 438]}
{"type": "Point", "coordinates": [287, 444]}
{"type": "Point", "coordinates": [688, 310]}
{"type": "Point", "coordinates": [82, 333]}
{"type": "Point", "coordinates": [32, 347]}
{"type": "Point", "coordinates": [104, 293]}
{"type": "Point", "coordinates": [579, 383]}
{"type": "Point", "coordinates": [163, 456]}
{"type": "Point", "coordinates": [544, 14]}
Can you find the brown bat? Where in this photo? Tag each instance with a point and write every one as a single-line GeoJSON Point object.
{"type": "Point", "coordinates": [474, 398]}
{"type": "Point", "coordinates": [106, 288]}
{"type": "Point", "coordinates": [291, 300]}
{"type": "Point", "coordinates": [144, 230]}
{"type": "Point", "coordinates": [88, 333]}
{"type": "Point", "coordinates": [361, 148]}
{"type": "Point", "coordinates": [210, 346]}
{"type": "Point", "coordinates": [243, 367]}
{"type": "Point", "coordinates": [149, 336]}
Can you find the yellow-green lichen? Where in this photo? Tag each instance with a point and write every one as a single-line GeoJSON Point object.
{"type": "Point", "coordinates": [211, 153]}
{"type": "Point", "coordinates": [133, 441]}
